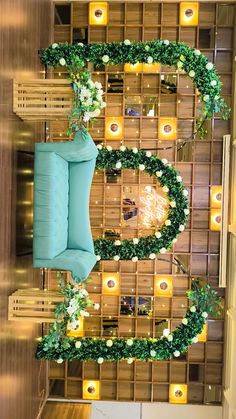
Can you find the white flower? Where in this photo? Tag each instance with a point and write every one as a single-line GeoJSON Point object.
{"type": "Point", "coordinates": [86, 117]}
{"type": "Point", "coordinates": [73, 325]}
{"type": "Point", "coordinates": [213, 83]}
{"type": "Point", "coordinates": [206, 98]}
{"type": "Point", "coordinates": [84, 313]}
{"type": "Point", "coordinates": [158, 234]}
{"type": "Point", "coordinates": [118, 165]}
{"type": "Point", "coordinates": [59, 361]}
{"type": "Point", "coordinates": [165, 189]}
{"type": "Point", "coordinates": [122, 148]}
{"type": "Point", "coordinates": [147, 48]}
{"type": "Point", "coordinates": [185, 321]}
{"type": "Point", "coordinates": [172, 204]}
{"type": "Point", "coordinates": [209, 66]}
{"type": "Point", "coordinates": [130, 360]}
{"type": "Point", "coordinates": [166, 332]}
{"type": "Point", "coordinates": [116, 258]}
{"type": "Point", "coordinates": [117, 243]}
{"type": "Point", "coordinates": [176, 353]}
{"type": "Point", "coordinates": [167, 223]}
{"type": "Point", "coordinates": [70, 310]}
{"type": "Point", "coordinates": [191, 73]}
{"type": "Point", "coordinates": [96, 113]}
{"type": "Point", "coordinates": [129, 342]}
{"type": "Point", "coordinates": [100, 360]}
{"type": "Point", "coordinates": [174, 240]}
{"type": "Point", "coordinates": [83, 292]}
{"type": "Point", "coordinates": [153, 353]}
{"type": "Point", "coordinates": [149, 59]}
{"type": "Point", "coordinates": [105, 58]}
{"type": "Point", "coordinates": [195, 340]}
{"type": "Point", "coordinates": [204, 314]}
{"type": "Point", "coordinates": [135, 240]}
{"type": "Point", "coordinates": [90, 83]}
{"type": "Point", "coordinates": [193, 309]}
{"type": "Point", "coordinates": [109, 343]}
{"type": "Point", "coordinates": [185, 192]}
{"type": "Point", "coordinates": [164, 161]}
{"type": "Point", "coordinates": [163, 250]}
{"type": "Point", "coordinates": [109, 148]}
{"type": "Point", "coordinates": [135, 150]}
{"type": "Point", "coordinates": [98, 85]}
{"type": "Point", "coordinates": [217, 97]}
{"type": "Point", "coordinates": [99, 146]}
{"type": "Point", "coordinates": [186, 211]}
{"type": "Point", "coordinates": [197, 52]}
{"type": "Point", "coordinates": [62, 61]}
{"type": "Point", "coordinates": [181, 227]}
{"type": "Point", "coordinates": [179, 64]}
{"type": "Point", "coordinates": [179, 178]}
{"type": "Point", "coordinates": [152, 256]}
{"type": "Point", "coordinates": [55, 45]}
{"type": "Point", "coordinates": [148, 154]}
{"type": "Point", "coordinates": [166, 42]}
{"type": "Point", "coordinates": [96, 306]}
{"type": "Point", "coordinates": [141, 167]}
{"type": "Point", "coordinates": [103, 105]}
{"type": "Point", "coordinates": [170, 338]}
{"type": "Point", "coordinates": [159, 173]}
{"type": "Point", "coordinates": [134, 259]}
{"type": "Point", "coordinates": [127, 42]}
{"type": "Point", "coordinates": [98, 257]}
{"type": "Point", "coordinates": [78, 344]}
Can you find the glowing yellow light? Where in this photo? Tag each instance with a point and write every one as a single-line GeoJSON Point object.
{"type": "Point", "coordinates": [154, 206]}
{"type": "Point", "coordinates": [91, 390]}
{"type": "Point", "coordinates": [163, 286]}
{"type": "Point", "coordinates": [216, 196]}
{"type": "Point", "coordinates": [114, 128]}
{"type": "Point", "coordinates": [151, 68]}
{"type": "Point", "coordinates": [98, 13]}
{"type": "Point", "coordinates": [133, 68]}
{"type": "Point", "coordinates": [178, 393]}
{"type": "Point", "coordinates": [79, 332]}
{"type": "Point", "coordinates": [110, 283]}
{"type": "Point", "coordinates": [215, 219]}
{"type": "Point", "coordinates": [202, 337]}
{"type": "Point", "coordinates": [189, 13]}
{"type": "Point", "coordinates": [167, 129]}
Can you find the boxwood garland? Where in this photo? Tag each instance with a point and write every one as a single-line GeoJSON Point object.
{"type": "Point", "coordinates": [58, 347]}
{"type": "Point", "coordinates": [169, 179]}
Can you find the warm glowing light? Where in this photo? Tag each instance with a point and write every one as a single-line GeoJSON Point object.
{"type": "Point", "coordinates": [216, 196]}
{"type": "Point", "coordinates": [215, 219]}
{"type": "Point", "coordinates": [202, 337]}
{"type": "Point", "coordinates": [110, 283]}
{"type": "Point", "coordinates": [178, 393]}
{"type": "Point", "coordinates": [91, 390]}
{"type": "Point", "coordinates": [163, 286]}
{"type": "Point", "coordinates": [133, 68]}
{"type": "Point", "coordinates": [154, 206]}
{"type": "Point", "coordinates": [114, 128]}
{"type": "Point", "coordinates": [167, 129]}
{"type": "Point", "coordinates": [79, 332]}
{"type": "Point", "coordinates": [98, 13]}
{"type": "Point", "coordinates": [189, 13]}
{"type": "Point", "coordinates": [151, 68]}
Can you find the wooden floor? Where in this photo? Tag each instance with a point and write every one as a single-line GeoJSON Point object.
{"type": "Point", "coordinates": [55, 410]}
{"type": "Point", "coordinates": [24, 28]}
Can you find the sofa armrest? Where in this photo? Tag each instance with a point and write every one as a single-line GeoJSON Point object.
{"type": "Point", "coordinates": [82, 148]}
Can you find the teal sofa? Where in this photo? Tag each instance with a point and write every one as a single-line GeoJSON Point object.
{"type": "Point", "coordinates": [63, 174]}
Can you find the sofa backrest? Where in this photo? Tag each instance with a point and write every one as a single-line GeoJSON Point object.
{"type": "Point", "coordinates": [51, 190]}
{"type": "Point", "coordinates": [79, 232]}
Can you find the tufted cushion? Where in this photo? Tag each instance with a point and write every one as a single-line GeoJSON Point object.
{"type": "Point", "coordinates": [51, 189]}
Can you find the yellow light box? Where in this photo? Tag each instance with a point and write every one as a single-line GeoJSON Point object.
{"type": "Point", "coordinates": [151, 68]}
{"type": "Point", "coordinates": [98, 13]}
{"type": "Point", "coordinates": [91, 389]}
{"type": "Point", "coordinates": [216, 196]}
{"type": "Point", "coordinates": [79, 332]}
{"type": "Point", "coordinates": [202, 337]}
{"type": "Point", "coordinates": [133, 68]}
{"type": "Point", "coordinates": [215, 219]}
{"type": "Point", "coordinates": [189, 13]}
{"type": "Point", "coordinates": [167, 129]}
{"type": "Point", "coordinates": [163, 286]}
{"type": "Point", "coordinates": [114, 127]}
{"type": "Point", "coordinates": [110, 283]}
{"type": "Point", "coordinates": [178, 393]}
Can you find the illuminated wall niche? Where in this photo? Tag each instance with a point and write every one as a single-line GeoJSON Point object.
{"type": "Point", "coordinates": [178, 393]}
{"type": "Point", "coordinates": [167, 129]}
{"type": "Point", "coordinates": [110, 283]}
{"type": "Point", "coordinates": [79, 332]}
{"type": "Point", "coordinates": [151, 68]}
{"type": "Point", "coordinates": [202, 337]}
{"type": "Point", "coordinates": [163, 286]}
{"type": "Point", "coordinates": [216, 196]}
{"type": "Point", "coordinates": [189, 13]}
{"type": "Point", "coordinates": [145, 68]}
{"type": "Point", "coordinates": [114, 128]}
{"type": "Point", "coordinates": [98, 13]}
{"type": "Point", "coordinates": [216, 207]}
{"type": "Point", "coordinates": [133, 68]}
{"type": "Point", "coordinates": [91, 389]}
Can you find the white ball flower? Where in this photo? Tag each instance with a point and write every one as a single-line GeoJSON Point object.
{"type": "Point", "coordinates": [129, 342]}
{"type": "Point", "coordinates": [159, 173]}
{"type": "Point", "coordinates": [176, 353]}
{"type": "Point", "coordinates": [100, 360]}
{"type": "Point", "coordinates": [60, 361]}
{"type": "Point", "coordinates": [206, 98]}
{"type": "Point", "coordinates": [62, 61]}
{"type": "Point", "coordinates": [147, 48]}
{"type": "Point", "coordinates": [116, 258]}
{"type": "Point", "coordinates": [179, 178]}
{"type": "Point", "coordinates": [105, 58]}
{"type": "Point", "coordinates": [163, 250]}
{"type": "Point", "coordinates": [217, 97]}
{"type": "Point", "coordinates": [164, 161]}
{"type": "Point", "coordinates": [191, 73]}
{"type": "Point", "coordinates": [78, 344]}
{"type": "Point", "coordinates": [148, 154]}
{"type": "Point", "coordinates": [84, 313]}
{"type": "Point", "coordinates": [127, 42]}
{"type": "Point", "coordinates": [117, 242]}
{"type": "Point", "coordinates": [135, 240]}
{"type": "Point", "coordinates": [167, 223]}
{"type": "Point", "coordinates": [193, 309]}
{"type": "Point", "coordinates": [135, 150]}
{"type": "Point", "coordinates": [185, 192]}
{"type": "Point", "coordinates": [150, 59]}
{"type": "Point", "coordinates": [134, 259]}
{"type": "Point", "coordinates": [180, 64]}
{"type": "Point", "coordinates": [165, 189]}
{"type": "Point", "coordinates": [181, 227]}
{"type": "Point", "coordinates": [186, 211]}
{"type": "Point", "coordinates": [170, 338]}
{"type": "Point", "coordinates": [153, 353]}
{"type": "Point", "coordinates": [185, 321]}
{"type": "Point", "coordinates": [141, 167]}
{"type": "Point", "coordinates": [109, 343]}
{"type": "Point", "coordinates": [152, 256]}
{"type": "Point", "coordinates": [172, 204]}
{"type": "Point", "coordinates": [195, 340]}
{"type": "Point", "coordinates": [197, 52]}
{"type": "Point", "coordinates": [96, 306]}
{"type": "Point", "coordinates": [166, 332]}
{"type": "Point", "coordinates": [99, 147]}
{"type": "Point", "coordinates": [80, 44]}
{"type": "Point", "coordinates": [55, 45]}
{"type": "Point", "coordinates": [209, 66]}
{"type": "Point", "coordinates": [118, 165]}
{"type": "Point", "coordinates": [98, 257]}
{"type": "Point", "coordinates": [109, 148]}
{"type": "Point", "coordinates": [213, 83]}
{"type": "Point", "coordinates": [174, 241]}
{"type": "Point", "coordinates": [158, 234]}
{"type": "Point", "coordinates": [204, 314]}
{"type": "Point", "coordinates": [166, 42]}
{"type": "Point", "coordinates": [130, 360]}
{"type": "Point", "coordinates": [122, 148]}
{"type": "Point", "coordinates": [98, 85]}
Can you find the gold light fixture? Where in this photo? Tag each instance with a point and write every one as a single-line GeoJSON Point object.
{"type": "Point", "coordinates": [91, 389]}
{"type": "Point", "coordinates": [202, 337]}
{"type": "Point", "coordinates": [163, 286]}
{"type": "Point", "coordinates": [189, 12]}
{"type": "Point", "coordinates": [178, 393]}
{"type": "Point", "coordinates": [114, 127]}
{"type": "Point", "coordinates": [79, 332]}
{"type": "Point", "coordinates": [110, 283]}
{"type": "Point", "coordinates": [167, 129]}
{"type": "Point", "coordinates": [98, 13]}
{"type": "Point", "coordinates": [133, 68]}
{"type": "Point", "coordinates": [215, 219]}
{"type": "Point", "coordinates": [216, 196]}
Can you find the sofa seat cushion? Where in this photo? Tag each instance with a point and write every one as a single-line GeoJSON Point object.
{"type": "Point", "coordinates": [79, 231]}
{"type": "Point", "coordinates": [51, 190]}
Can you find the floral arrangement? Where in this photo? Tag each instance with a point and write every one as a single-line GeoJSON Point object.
{"type": "Point", "coordinates": [204, 301]}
